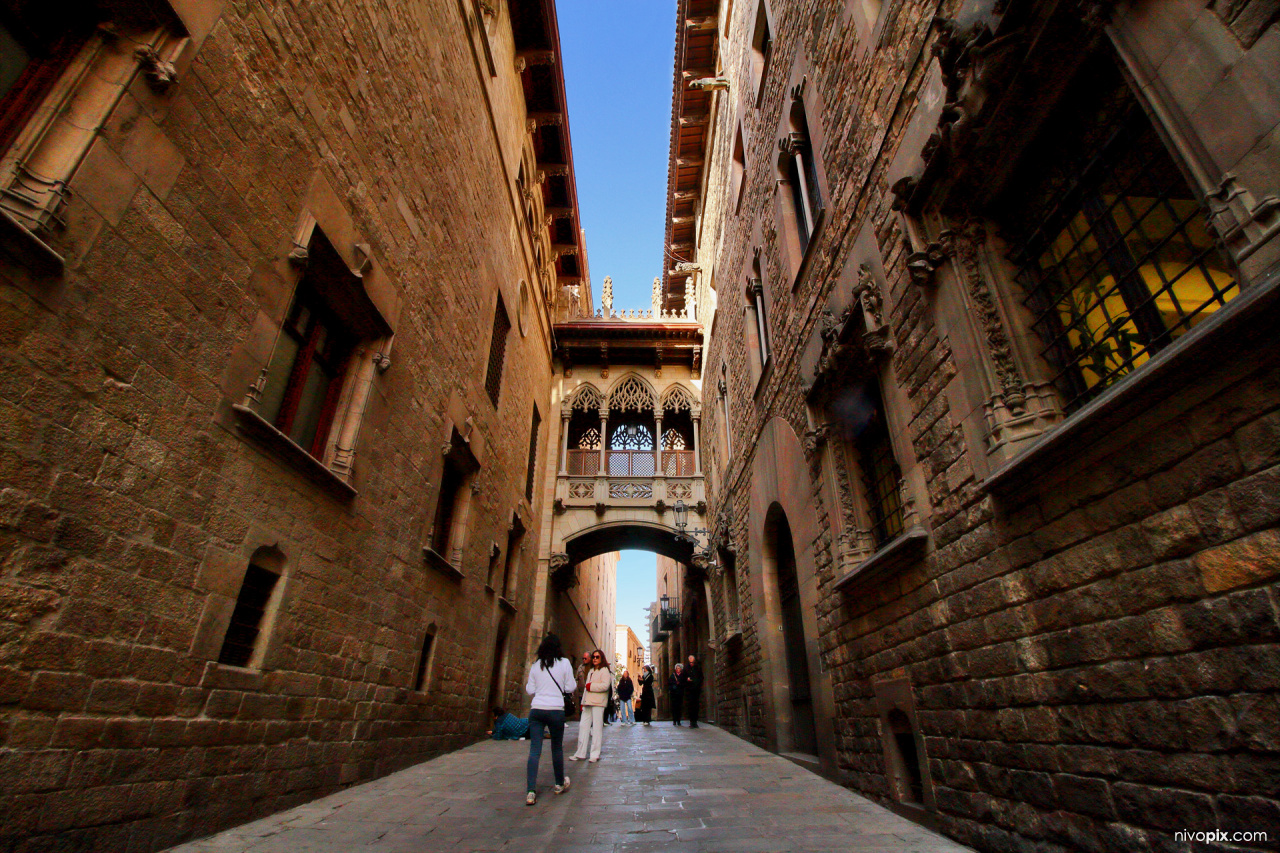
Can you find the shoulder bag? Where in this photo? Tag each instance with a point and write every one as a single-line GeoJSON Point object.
{"type": "Point", "coordinates": [568, 697]}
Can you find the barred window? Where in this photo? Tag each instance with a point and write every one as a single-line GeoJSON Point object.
{"type": "Point", "coordinates": [1115, 256]}
{"type": "Point", "coordinates": [497, 351]}
{"type": "Point", "coordinates": [533, 453]}
{"type": "Point", "coordinates": [881, 476]}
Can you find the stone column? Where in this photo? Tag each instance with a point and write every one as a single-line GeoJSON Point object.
{"type": "Point", "coordinates": [697, 442]}
{"type": "Point", "coordinates": [657, 442]}
{"type": "Point", "coordinates": [604, 441]}
{"type": "Point", "coordinates": [565, 413]}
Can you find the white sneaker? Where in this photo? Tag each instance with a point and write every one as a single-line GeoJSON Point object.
{"type": "Point", "coordinates": [574, 758]}
{"type": "Point", "coordinates": [530, 798]}
{"type": "Point", "coordinates": [592, 760]}
{"type": "Point", "coordinates": [560, 789]}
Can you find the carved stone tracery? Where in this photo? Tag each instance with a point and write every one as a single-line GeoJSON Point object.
{"type": "Point", "coordinates": [631, 394]}
{"type": "Point", "coordinates": [856, 340]}
{"type": "Point", "coordinates": [969, 240]}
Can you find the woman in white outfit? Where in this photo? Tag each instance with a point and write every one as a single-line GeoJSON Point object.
{"type": "Point", "coordinates": [595, 696]}
{"type": "Point", "coordinates": [550, 677]}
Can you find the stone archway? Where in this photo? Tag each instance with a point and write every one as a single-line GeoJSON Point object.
{"type": "Point", "coordinates": [776, 488]}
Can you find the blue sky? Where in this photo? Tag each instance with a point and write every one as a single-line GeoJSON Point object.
{"type": "Point", "coordinates": [618, 58]}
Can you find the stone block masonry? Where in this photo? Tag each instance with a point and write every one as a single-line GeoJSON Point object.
{"type": "Point", "coordinates": [133, 496]}
{"type": "Point", "coordinates": [1083, 656]}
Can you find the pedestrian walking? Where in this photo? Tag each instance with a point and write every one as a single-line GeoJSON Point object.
{"type": "Point", "coordinates": [648, 701]}
{"type": "Point", "coordinates": [550, 678]}
{"type": "Point", "coordinates": [676, 691]}
{"type": "Point", "coordinates": [626, 689]}
{"type": "Point", "coordinates": [580, 674]}
{"type": "Point", "coordinates": [599, 684]}
{"type": "Point", "coordinates": [692, 690]}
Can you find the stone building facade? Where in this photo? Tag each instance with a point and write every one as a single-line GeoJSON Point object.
{"type": "Point", "coordinates": [585, 615]}
{"type": "Point", "coordinates": [993, 407]}
{"type": "Point", "coordinates": [278, 285]}
{"type": "Point", "coordinates": [628, 651]}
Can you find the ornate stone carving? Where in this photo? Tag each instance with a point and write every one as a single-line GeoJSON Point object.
{"type": "Point", "coordinates": [558, 507]}
{"type": "Point", "coordinates": [563, 577]}
{"type": "Point", "coordinates": [631, 394]}
{"type": "Point", "coordinates": [1243, 222]}
{"type": "Point", "coordinates": [587, 398]}
{"type": "Point", "coordinates": [856, 339]}
{"type": "Point", "coordinates": [923, 264]}
{"type": "Point", "coordinates": [867, 292]}
{"type": "Point", "coordinates": [815, 438]}
{"type": "Point", "coordinates": [160, 73]}
{"type": "Point", "coordinates": [969, 241]}
{"type": "Point", "coordinates": [381, 362]}
{"type": "Point", "coordinates": [677, 398]}
{"type": "Point", "coordinates": [903, 189]}
{"type": "Point", "coordinates": [606, 296]}
{"type": "Point", "coordinates": [844, 487]}
{"type": "Point", "coordinates": [710, 84]}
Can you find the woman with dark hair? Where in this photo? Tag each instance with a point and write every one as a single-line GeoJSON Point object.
{"type": "Point", "coordinates": [599, 684]}
{"type": "Point", "coordinates": [550, 677]}
{"type": "Point", "coordinates": [626, 708]}
{"type": "Point", "coordinates": [648, 700]}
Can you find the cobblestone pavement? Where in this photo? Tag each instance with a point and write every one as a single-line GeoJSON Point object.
{"type": "Point", "coordinates": [658, 788]}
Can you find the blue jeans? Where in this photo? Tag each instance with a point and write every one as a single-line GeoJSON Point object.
{"type": "Point", "coordinates": [627, 710]}
{"type": "Point", "coordinates": [553, 720]}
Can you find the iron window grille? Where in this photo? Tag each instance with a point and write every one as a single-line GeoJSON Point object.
{"type": "Point", "coordinates": [1118, 261]}
{"type": "Point", "coordinates": [533, 454]}
{"type": "Point", "coordinates": [497, 351]}
{"type": "Point", "coordinates": [881, 479]}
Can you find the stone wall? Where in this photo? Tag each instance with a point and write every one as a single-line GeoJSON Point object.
{"type": "Point", "coordinates": [132, 496]}
{"type": "Point", "coordinates": [1086, 648]}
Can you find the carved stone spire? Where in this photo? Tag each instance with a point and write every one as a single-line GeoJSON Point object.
{"type": "Point", "coordinates": [655, 300]}
{"type": "Point", "coordinates": [606, 296]}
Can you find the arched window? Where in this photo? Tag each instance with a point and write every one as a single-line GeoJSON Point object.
{"type": "Point", "coordinates": [245, 640]}
{"type": "Point", "coordinates": [589, 440]}
{"type": "Point", "coordinates": [631, 436]}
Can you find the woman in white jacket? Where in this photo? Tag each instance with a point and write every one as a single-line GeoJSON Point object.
{"type": "Point", "coordinates": [595, 695]}
{"type": "Point", "coordinates": [550, 677]}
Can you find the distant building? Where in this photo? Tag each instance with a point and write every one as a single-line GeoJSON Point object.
{"type": "Point", "coordinates": [628, 652]}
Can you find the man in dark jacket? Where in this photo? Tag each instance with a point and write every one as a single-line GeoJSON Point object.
{"type": "Point", "coordinates": [676, 691]}
{"type": "Point", "coordinates": [692, 690]}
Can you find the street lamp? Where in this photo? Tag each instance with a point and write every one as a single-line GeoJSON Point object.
{"type": "Point", "coordinates": [682, 516]}
{"type": "Point", "coordinates": [665, 600]}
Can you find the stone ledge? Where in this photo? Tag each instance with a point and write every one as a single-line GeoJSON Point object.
{"type": "Point", "coordinates": [441, 565]}
{"type": "Point", "coordinates": [288, 451]}
{"type": "Point", "coordinates": [1145, 387]}
{"type": "Point", "coordinates": [506, 604]}
{"type": "Point", "coordinates": [226, 677]}
{"type": "Point", "coordinates": [903, 549]}
{"type": "Point", "coordinates": [26, 248]}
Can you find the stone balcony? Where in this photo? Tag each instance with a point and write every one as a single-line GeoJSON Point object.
{"type": "Point", "coordinates": [632, 480]}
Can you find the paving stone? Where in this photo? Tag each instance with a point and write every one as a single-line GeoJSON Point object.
{"type": "Point", "coordinates": [752, 801]}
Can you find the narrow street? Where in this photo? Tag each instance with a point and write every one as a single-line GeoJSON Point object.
{"type": "Point", "coordinates": [659, 788]}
